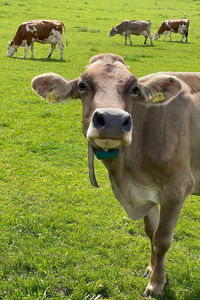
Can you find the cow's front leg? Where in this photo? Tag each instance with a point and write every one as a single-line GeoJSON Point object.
{"type": "Point", "coordinates": [25, 51]}
{"type": "Point", "coordinates": [161, 242]}
{"type": "Point", "coordinates": [125, 38]}
{"type": "Point", "coordinates": [170, 36]}
{"type": "Point", "coordinates": [165, 35]}
{"type": "Point", "coordinates": [150, 36]}
{"type": "Point", "coordinates": [150, 224]}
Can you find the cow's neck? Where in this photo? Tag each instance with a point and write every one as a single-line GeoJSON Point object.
{"type": "Point", "coordinates": [17, 40]}
{"type": "Point", "coordinates": [131, 186]}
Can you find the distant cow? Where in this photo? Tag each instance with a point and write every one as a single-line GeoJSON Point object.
{"type": "Point", "coordinates": [40, 31]}
{"type": "Point", "coordinates": [147, 133]}
{"type": "Point", "coordinates": [126, 28]}
{"type": "Point", "coordinates": [176, 26]}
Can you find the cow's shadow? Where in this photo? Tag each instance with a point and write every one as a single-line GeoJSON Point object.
{"type": "Point", "coordinates": [147, 46]}
{"type": "Point", "coordinates": [178, 42]}
{"type": "Point", "coordinates": [170, 294]}
{"type": "Point", "coordinates": [154, 44]}
{"type": "Point", "coordinates": [42, 59]}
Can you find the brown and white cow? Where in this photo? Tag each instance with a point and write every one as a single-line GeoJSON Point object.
{"type": "Point", "coordinates": [126, 28]}
{"type": "Point", "coordinates": [176, 26]}
{"type": "Point", "coordinates": [40, 31]}
{"type": "Point", "coordinates": [147, 132]}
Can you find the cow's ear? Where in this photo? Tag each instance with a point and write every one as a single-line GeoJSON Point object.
{"type": "Point", "coordinates": [159, 88]}
{"type": "Point", "coordinates": [54, 88]}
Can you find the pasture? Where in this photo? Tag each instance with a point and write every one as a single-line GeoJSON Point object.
{"type": "Point", "coordinates": [60, 238]}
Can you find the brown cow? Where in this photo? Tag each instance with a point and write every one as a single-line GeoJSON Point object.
{"type": "Point", "coordinates": [153, 160]}
{"type": "Point", "coordinates": [40, 31]}
{"type": "Point", "coordinates": [126, 28]}
{"type": "Point", "coordinates": [176, 26]}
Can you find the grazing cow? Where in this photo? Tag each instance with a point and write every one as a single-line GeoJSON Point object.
{"type": "Point", "coordinates": [126, 28]}
{"type": "Point", "coordinates": [176, 26]}
{"type": "Point", "coordinates": [40, 31]}
{"type": "Point", "coordinates": [147, 133]}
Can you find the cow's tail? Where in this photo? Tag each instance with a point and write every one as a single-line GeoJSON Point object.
{"type": "Point", "coordinates": [65, 34]}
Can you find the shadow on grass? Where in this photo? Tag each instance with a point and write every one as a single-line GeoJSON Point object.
{"type": "Point", "coordinates": [42, 59]}
{"type": "Point", "coordinates": [178, 42]}
{"type": "Point", "coordinates": [195, 295]}
{"type": "Point", "coordinates": [170, 294]}
{"type": "Point", "coordinates": [147, 46]}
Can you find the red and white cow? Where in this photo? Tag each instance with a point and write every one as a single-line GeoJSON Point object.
{"type": "Point", "coordinates": [176, 26]}
{"type": "Point", "coordinates": [40, 31]}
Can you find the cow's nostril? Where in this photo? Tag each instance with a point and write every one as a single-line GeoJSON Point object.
{"type": "Point", "coordinates": [127, 123]}
{"type": "Point", "coordinates": [98, 120]}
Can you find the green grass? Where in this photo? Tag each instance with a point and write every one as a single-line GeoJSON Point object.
{"type": "Point", "coordinates": [59, 237]}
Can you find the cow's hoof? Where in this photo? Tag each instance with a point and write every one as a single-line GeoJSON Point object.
{"type": "Point", "coordinates": [154, 290]}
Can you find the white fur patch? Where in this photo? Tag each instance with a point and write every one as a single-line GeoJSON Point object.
{"type": "Point", "coordinates": [10, 50]}
{"type": "Point", "coordinates": [167, 22]}
{"type": "Point", "coordinates": [182, 28]}
{"type": "Point", "coordinates": [136, 196]}
{"type": "Point", "coordinates": [54, 37]}
{"type": "Point", "coordinates": [29, 29]}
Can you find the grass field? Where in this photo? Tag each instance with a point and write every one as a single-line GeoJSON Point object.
{"type": "Point", "coordinates": [60, 238]}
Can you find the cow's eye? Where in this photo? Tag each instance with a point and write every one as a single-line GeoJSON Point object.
{"type": "Point", "coordinates": [135, 90]}
{"type": "Point", "coordinates": [82, 87]}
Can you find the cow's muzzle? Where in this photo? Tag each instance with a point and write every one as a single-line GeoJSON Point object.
{"type": "Point", "coordinates": [110, 128]}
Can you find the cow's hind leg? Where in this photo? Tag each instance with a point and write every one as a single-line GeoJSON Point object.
{"type": "Point", "coordinates": [61, 46]}
{"type": "Point", "coordinates": [145, 39]}
{"type": "Point", "coordinates": [129, 36]}
{"type": "Point", "coordinates": [31, 47]}
{"type": "Point", "coordinates": [150, 224]}
{"type": "Point", "coordinates": [53, 47]}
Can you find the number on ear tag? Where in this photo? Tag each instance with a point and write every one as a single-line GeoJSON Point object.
{"type": "Point", "coordinates": [52, 97]}
{"type": "Point", "coordinates": [158, 97]}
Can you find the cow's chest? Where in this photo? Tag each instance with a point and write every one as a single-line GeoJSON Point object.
{"type": "Point", "coordinates": [136, 197]}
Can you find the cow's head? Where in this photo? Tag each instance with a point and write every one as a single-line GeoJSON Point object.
{"type": "Point", "coordinates": [11, 49]}
{"type": "Point", "coordinates": [156, 36]}
{"type": "Point", "coordinates": [107, 90]}
{"type": "Point", "coordinates": [113, 31]}
{"type": "Point", "coordinates": [106, 122]}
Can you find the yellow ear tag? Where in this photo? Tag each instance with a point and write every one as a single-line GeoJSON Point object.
{"type": "Point", "coordinates": [52, 97]}
{"type": "Point", "coordinates": [158, 97]}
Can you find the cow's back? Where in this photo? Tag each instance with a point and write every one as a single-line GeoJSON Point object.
{"type": "Point", "coordinates": [41, 29]}
{"type": "Point", "coordinates": [134, 26]}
